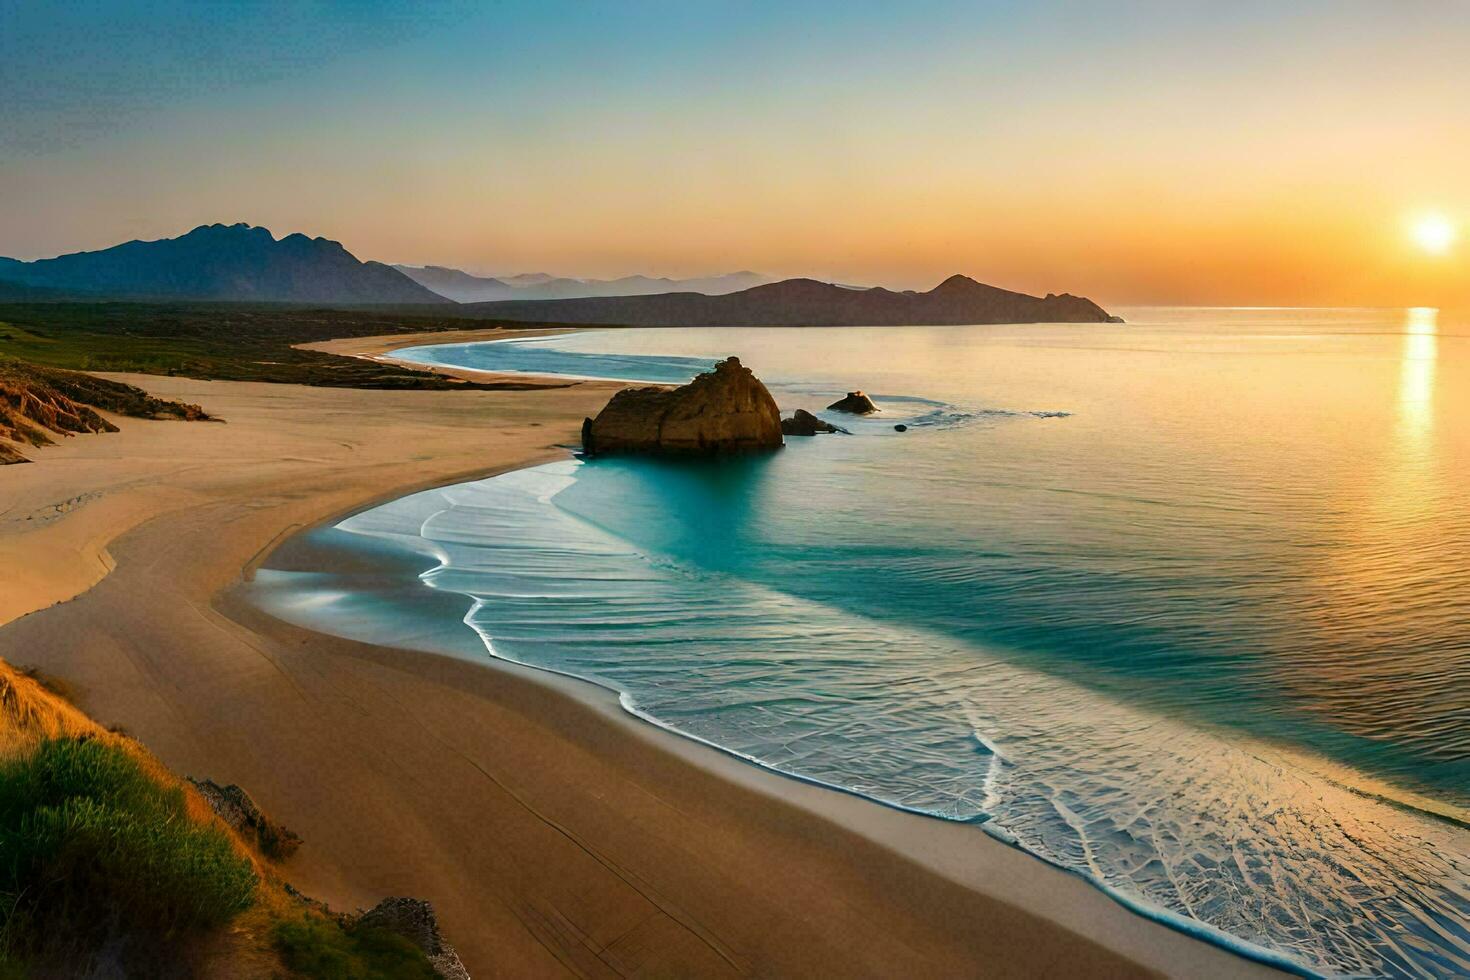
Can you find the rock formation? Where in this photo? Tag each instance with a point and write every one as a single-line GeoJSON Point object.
{"type": "Point", "coordinates": [414, 920]}
{"type": "Point", "coordinates": [855, 403]}
{"type": "Point", "coordinates": [726, 410]}
{"type": "Point", "coordinates": [235, 807]}
{"type": "Point", "coordinates": [804, 423]}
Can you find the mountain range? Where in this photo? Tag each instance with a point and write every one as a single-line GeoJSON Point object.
{"type": "Point", "coordinates": [462, 287]}
{"type": "Point", "coordinates": [807, 302]}
{"type": "Point", "coordinates": [243, 263]}
{"type": "Point", "coordinates": [223, 262]}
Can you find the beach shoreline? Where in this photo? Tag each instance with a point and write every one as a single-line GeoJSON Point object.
{"type": "Point", "coordinates": [555, 833]}
{"type": "Point", "coordinates": [381, 348]}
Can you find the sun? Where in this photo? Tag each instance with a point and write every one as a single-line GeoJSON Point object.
{"type": "Point", "coordinates": [1433, 233]}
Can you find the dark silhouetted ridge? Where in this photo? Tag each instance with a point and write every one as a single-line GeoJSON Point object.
{"type": "Point", "coordinates": [222, 262]}
{"type": "Point", "coordinates": [808, 302]}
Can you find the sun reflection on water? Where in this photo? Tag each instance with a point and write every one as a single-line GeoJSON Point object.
{"type": "Point", "coordinates": [1381, 599]}
{"type": "Point", "coordinates": [1416, 377]}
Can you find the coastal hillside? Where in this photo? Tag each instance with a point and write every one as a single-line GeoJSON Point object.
{"type": "Point", "coordinates": [807, 302]}
{"type": "Point", "coordinates": [221, 262]}
{"type": "Point", "coordinates": [462, 287]}
{"type": "Point", "coordinates": [114, 866]}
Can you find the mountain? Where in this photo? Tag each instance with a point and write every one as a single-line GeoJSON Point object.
{"type": "Point", "coordinates": [807, 302]}
{"type": "Point", "coordinates": [530, 278]}
{"type": "Point", "coordinates": [223, 262]}
{"type": "Point", "coordinates": [18, 292]}
{"type": "Point", "coordinates": [457, 285]}
{"type": "Point", "coordinates": [462, 287]}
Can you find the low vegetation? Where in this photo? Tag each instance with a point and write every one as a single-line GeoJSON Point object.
{"type": "Point", "coordinates": [111, 865]}
{"type": "Point", "coordinates": [227, 341]}
{"type": "Point", "coordinates": [325, 950]}
{"type": "Point", "coordinates": [98, 855]}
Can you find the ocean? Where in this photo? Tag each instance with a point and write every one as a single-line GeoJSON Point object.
{"type": "Point", "coordinates": [1180, 604]}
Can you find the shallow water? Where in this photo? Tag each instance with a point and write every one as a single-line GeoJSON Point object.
{"type": "Point", "coordinates": [1181, 604]}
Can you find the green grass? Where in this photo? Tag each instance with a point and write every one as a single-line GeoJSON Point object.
{"type": "Point", "coordinates": [226, 341]}
{"type": "Point", "coordinates": [94, 851]}
{"type": "Point", "coordinates": [322, 950]}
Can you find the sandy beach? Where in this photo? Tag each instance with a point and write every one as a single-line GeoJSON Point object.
{"type": "Point", "coordinates": [382, 348]}
{"type": "Point", "coordinates": [555, 835]}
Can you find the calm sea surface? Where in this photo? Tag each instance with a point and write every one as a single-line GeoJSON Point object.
{"type": "Point", "coordinates": [1181, 604]}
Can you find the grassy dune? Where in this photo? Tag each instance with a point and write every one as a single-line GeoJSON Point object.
{"type": "Point", "coordinates": [108, 861]}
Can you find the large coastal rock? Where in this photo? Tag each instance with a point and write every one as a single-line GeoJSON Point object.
{"type": "Point", "coordinates": [726, 410]}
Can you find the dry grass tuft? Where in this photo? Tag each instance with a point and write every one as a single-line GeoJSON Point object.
{"type": "Point", "coordinates": [29, 712]}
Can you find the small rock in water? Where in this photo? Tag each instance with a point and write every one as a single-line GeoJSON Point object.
{"type": "Point", "coordinates": [856, 403]}
{"type": "Point", "coordinates": [804, 423]}
{"type": "Point", "coordinates": [900, 427]}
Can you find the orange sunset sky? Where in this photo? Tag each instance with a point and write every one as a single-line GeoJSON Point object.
{"type": "Point", "coordinates": [1150, 153]}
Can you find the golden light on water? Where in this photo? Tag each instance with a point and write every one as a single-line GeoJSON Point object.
{"type": "Point", "coordinates": [1433, 233]}
{"type": "Point", "coordinates": [1416, 377]}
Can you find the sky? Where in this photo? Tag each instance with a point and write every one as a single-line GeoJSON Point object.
{"type": "Point", "coordinates": [1238, 153]}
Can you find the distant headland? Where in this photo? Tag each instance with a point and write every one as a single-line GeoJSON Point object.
{"type": "Point", "coordinates": [807, 302]}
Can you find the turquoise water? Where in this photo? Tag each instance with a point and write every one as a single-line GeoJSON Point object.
{"type": "Point", "coordinates": [1182, 604]}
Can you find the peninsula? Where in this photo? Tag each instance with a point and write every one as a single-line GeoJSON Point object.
{"type": "Point", "coordinates": [808, 303]}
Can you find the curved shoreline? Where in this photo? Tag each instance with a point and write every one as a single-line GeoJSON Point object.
{"type": "Point", "coordinates": [646, 845]}
{"type": "Point", "coordinates": [887, 825]}
{"type": "Point", "coordinates": [612, 699]}
{"type": "Point", "coordinates": [601, 696]}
